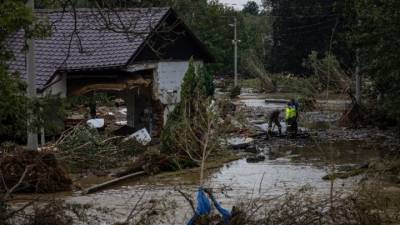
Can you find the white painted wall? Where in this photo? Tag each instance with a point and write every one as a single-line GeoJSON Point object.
{"type": "Point", "coordinates": [168, 79]}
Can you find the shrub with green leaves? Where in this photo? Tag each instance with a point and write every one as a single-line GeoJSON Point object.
{"type": "Point", "coordinates": [195, 89]}
{"type": "Point", "coordinates": [13, 107]}
{"type": "Point", "coordinates": [14, 16]}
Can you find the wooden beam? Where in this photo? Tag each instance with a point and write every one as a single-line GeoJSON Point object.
{"type": "Point", "coordinates": [110, 182]}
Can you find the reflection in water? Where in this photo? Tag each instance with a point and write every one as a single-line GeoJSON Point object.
{"type": "Point", "coordinates": [271, 178]}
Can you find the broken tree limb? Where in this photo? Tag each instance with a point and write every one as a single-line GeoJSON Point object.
{"type": "Point", "coordinates": [110, 182]}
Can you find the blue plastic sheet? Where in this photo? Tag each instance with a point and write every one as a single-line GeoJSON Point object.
{"type": "Point", "coordinates": [204, 207]}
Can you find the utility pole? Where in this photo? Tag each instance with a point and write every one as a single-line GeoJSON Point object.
{"type": "Point", "coordinates": [31, 80]}
{"type": "Point", "coordinates": [235, 43]}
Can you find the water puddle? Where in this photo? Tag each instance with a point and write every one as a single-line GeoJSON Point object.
{"type": "Point", "coordinates": [271, 178]}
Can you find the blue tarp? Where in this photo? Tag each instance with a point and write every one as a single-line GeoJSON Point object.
{"type": "Point", "coordinates": [204, 207]}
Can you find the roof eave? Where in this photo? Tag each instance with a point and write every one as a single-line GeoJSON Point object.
{"type": "Point", "coordinates": [209, 57]}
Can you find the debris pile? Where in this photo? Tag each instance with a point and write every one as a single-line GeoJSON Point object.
{"type": "Point", "coordinates": [86, 149]}
{"type": "Point", "coordinates": [32, 172]}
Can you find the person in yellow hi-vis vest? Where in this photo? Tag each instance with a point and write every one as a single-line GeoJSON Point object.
{"type": "Point", "coordinates": [291, 116]}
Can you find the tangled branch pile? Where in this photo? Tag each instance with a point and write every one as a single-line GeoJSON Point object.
{"type": "Point", "coordinates": [32, 171]}
{"type": "Point", "coordinates": [83, 148]}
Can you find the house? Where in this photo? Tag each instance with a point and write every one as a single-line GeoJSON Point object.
{"type": "Point", "coordinates": [141, 54]}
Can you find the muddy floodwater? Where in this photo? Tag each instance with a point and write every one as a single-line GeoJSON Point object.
{"type": "Point", "coordinates": [235, 181]}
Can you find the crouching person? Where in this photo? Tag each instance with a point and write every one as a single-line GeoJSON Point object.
{"type": "Point", "coordinates": [274, 120]}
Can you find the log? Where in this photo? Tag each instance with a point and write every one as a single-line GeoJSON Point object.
{"type": "Point", "coordinates": [110, 182]}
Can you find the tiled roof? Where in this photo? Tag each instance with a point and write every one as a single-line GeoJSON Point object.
{"type": "Point", "coordinates": [101, 40]}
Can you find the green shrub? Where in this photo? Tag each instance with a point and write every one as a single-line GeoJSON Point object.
{"type": "Point", "coordinates": [13, 107]}
{"type": "Point", "coordinates": [194, 91]}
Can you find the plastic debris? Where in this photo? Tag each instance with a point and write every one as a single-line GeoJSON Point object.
{"type": "Point", "coordinates": [141, 136]}
{"type": "Point", "coordinates": [95, 123]}
{"type": "Point", "coordinates": [121, 123]}
{"type": "Point", "coordinates": [204, 208]}
{"type": "Point", "coordinates": [123, 111]}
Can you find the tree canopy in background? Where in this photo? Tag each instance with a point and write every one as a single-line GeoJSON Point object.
{"type": "Point", "coordinates": [377, 38]}
{"type": "Point", "coordinates": [13, 16]}
{"type": "Point", "coordinates": [251, 7]}
{"type": "Point", "coordinates": [303, 26]}
{"type": "Point", "coordinates": [210, 21]}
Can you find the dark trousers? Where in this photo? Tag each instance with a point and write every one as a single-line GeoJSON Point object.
{"type": "Point", "coordinates": [292, 127]}
{"type": "Point", "coordinates": [276, 122]}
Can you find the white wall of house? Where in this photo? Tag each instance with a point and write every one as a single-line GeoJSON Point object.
{"type": "Point", "coordinates": [168, 79]}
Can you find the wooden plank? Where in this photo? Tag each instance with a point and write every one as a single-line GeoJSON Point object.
{"type": "Point", "coordinates": [110, 182]}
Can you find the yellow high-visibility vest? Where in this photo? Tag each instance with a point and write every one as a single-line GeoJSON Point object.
{"type": "Point", "coordinates": [290, 113]}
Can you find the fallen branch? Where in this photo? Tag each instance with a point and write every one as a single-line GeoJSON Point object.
{"type": "Point", "coordinates": [103, 142]}
{"type": "Point", "coordinates": [67, 133]}
{"type": "Point", "coordinates": [21, 179]}
{"type": "Point", "coordinates": [187, 199]}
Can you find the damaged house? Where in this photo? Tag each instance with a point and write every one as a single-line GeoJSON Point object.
{"type": "Point", "coordinates": [139, 54]}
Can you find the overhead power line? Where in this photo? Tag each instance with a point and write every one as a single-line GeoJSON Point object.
{"type": "Point", "coordinates": [311, 25]}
